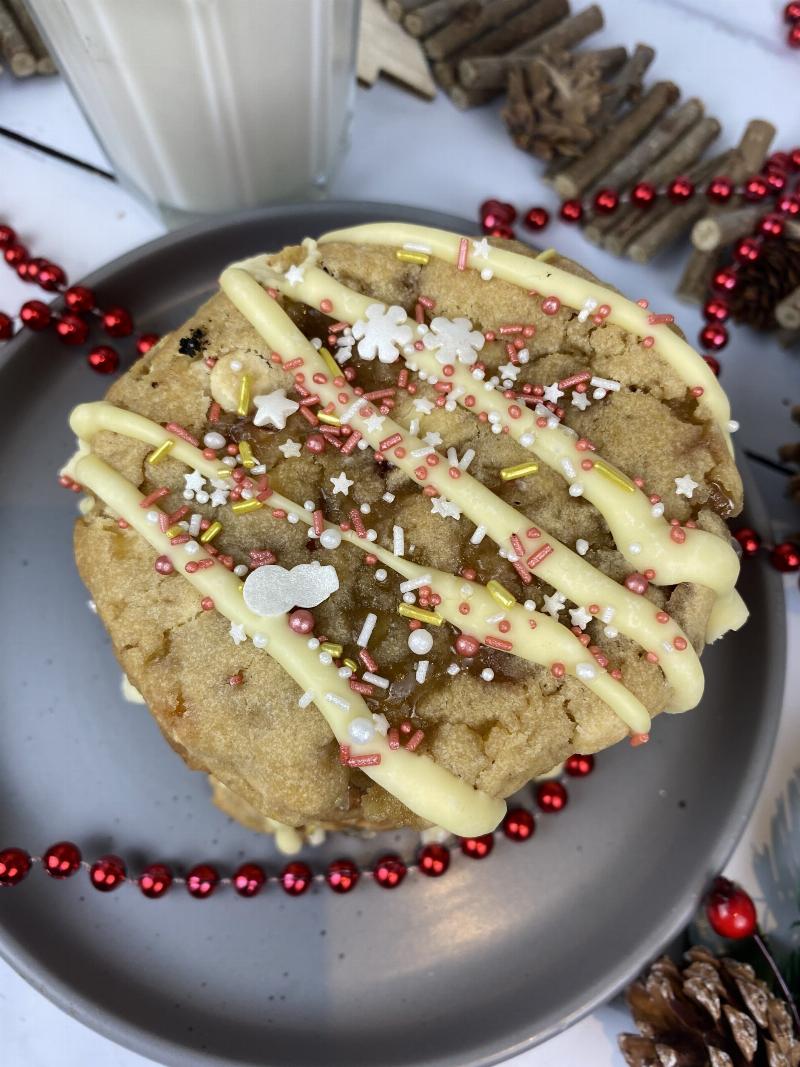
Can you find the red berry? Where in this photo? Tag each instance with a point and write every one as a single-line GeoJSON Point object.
{"type": "Point", "coordinates": [680, 190]}
{"type": "Point", "coordinates": [747, 250]}
{"type": "Point", "coordinates": [713, 336]}
{"type": "Point", "coordinates": [477, 848]}
{"type": "Point", "coordinates": [606, 201]}
{"type": "Point", "coordinates": [571, 211]}
{"type": "Point", "coordinates": [51, 277]}
{"type": "Point", "coordinates": [785, 557]}
{"type": "Point", "coordinates": [6, 326]}
{"type": "Point", "coordinates": [249, 880]}
{"type": "Point", "coordinates": [551, 796]}
{"type": "Point", "coordinates": [79, 298]}
{"type": "Point", "coordinates": [14, 254]}
{"type": "Point", "coordinates": [776, 179]}
{"type": "Point", "coordinates": [730, 910]}
{"type": "Point", "coordinates": [103, 359]}
{"type": "Point", "coordinates": [716, 309]}
{"type": "Point", "coordinates": [725, 280]}
{"type": "Point", "coordinates": [62, 860]}
{"type": "Point", "coordinates": [35, 315]}
{"type": "Point", "coordinates": [295, 878]}
{"type": "Point", "coordinates": [434, 859]}
{"type": "Point", "coordinates": [793, 36]}
{"type": "Point", "coordinates": [72, 329]}
{"type": "Point", "coordinates": [107, 873]}
{"type": "Point", "coordinates": [146, 342]}
{"type": "Point", "coordinates": [719, 190]}
{"type": "Point", "coordinates": [117, 322]}
{"type": "Point", "coordinates": [537, 218]}
{"type": "Point", "coordinates": [749, 541]}
{"type": "Point", "coordinates": [500, 210]}
{"type": "Point", "coordinates": [202, 880]}
{"type": "Point", "coordinates": [389, 871]}
{"type": "Point", "coordinates": [519, 824]}
{"type": "Point", "coordinates": [579, 766]}
{"type": "Point", "coordinates": [643, 194]}
{"type": "Point", "coordinates": [8, 236]}
{"type": "Point", "coordinates": [155, 880]}
{"type": "Point", "coordinates": [789, 205]}
{"type": "Point", "coordinates": [771, 226]}
{"type": "Point", "coordinates": [714, 364]}
{"type": "Point", "coordinates": [14, 866]}
{"type": "Point", "coordinates": [501, 230]}
{"type": "Point", "coordinates": [342, 876]}
{"type": "Point", "coordinates": [755, 188]}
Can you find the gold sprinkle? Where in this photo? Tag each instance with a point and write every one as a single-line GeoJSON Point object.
{"type": "Point", "coordinates": [499, 593]}
{"type": "Point", "coordinates": [174, 531]}
{"type": "Point", "coordinates": [614, 476]}
{"type": "Point", "coordinates": [330, 362]}
{"type": "Point", "coordinates": [224, 472]}
{"type": "Point", "coordinates": [408, 611]}
{"type": "Point", "coordinates": [351, 663]}
{"type": "Point", "coordinates": [547, 255]}
{"type": "Point", "coordinates": [246, 452]}
{"type": "Point", "coordinates": [210, 533]}
{"type": "Point", "coordinates": [331, 646]}
{"type": "Point", "coordinates": [160, 452]}
{"type": "Point", "coordinates": [244, 396]}
{"type": "Point", "coordinates": [329, 420]}
{"type": "Point", "coordinates": [241, 507]}
{"type": "Point", "coordinates": [508, 474]}
{"type": "Point", "coordinates": [412, 257]}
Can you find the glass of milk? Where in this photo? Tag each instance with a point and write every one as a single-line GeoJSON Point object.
{"type": "Point", "coordinates": [211, 105]}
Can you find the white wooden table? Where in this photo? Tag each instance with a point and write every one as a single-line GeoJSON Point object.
{"type": "Point", "coordinates": [430, 155]}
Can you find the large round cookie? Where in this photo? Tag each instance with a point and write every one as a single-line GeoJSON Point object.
{"type": "Point", "coordinates": [493, 719]}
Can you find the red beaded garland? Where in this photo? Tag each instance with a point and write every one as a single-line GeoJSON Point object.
{"type": "Point", "coordinates": [519, 824]}
{"type": "Point", "coordinates": [714, 364]}
{"type": "Point", "coordinates": [606, 201]}
{"type": "Point", "coordinates": [776, 179]}
{"type": "Point", "coordinates": [794, 158]}
{"type": "Point", "coordinates": [249, 880]}
{"type": "Point", "coordinates": [202, 880]}
{"type": "Point", "coordinates": [730, 910]}
{"type": "Point", "coordinates": [477, 848]}
{"type": "Point", "coordinates": [793, 36]}
{"type": "Point", "coordinates": [107, 873]}
{"type": "Point", "coordinates": [713, 336]}
{"type": "Point", "coordinates": [342, 876]}
{"type": "Point", "coordinates": [719, 190]}
{"type": "Point", "coordinates": [499, 211]}
{"type": "Point", "coordinates": [748, 250]}
{"type": "Point", "coordinates": [500, 230]}
{"type": "Point", "coordinates": [537, 218]}
{"type": "Point", "coordinates": [51, 277]}
{"type": "Point", "coordinates": [155, 880]}
{"type": "Point", "coordinates": [725, 280]}
{"type": "Point", "coordinates": [680, 190]}
{"type": "Point", "coordinates": [15, 254]}
{"type": "Point", "coordinates": [8, 236]}
{"type": "Point", "coordinates": [62, 860]}
{"type": "Point", "coordinates": [117, 322]}
{"type": "Point", "coordinates": [771, 226]}
{"type": "Point", "coordinates": [389, 871]}
{"type": "Point", "coordinates": [578, 766]}
{"type": "Point", "coordinates": [295, 878]}
{"type": "Point", "coordinates": [146, 342]}
{"type": "Point", "coordinates": [15, 863]}
{"type": "Point", "coordinates": [789, 205]}
{"type": "Point", "coordinates": [35, 315]}
{"type": "Point", "coordinates": [785, 557]}
{"type": "Point", "coordinates": [571, 211]}
{"type": "Point", "coordinates": [643, 194]}
{"type": "Point", "coordinates": [103, 359]}
{"type": "Point", "coordinates": [755, 188]}
{"type": "Point", "coordinates": [6, 326]}
{"type": "Point", "coordinates": [79, 298]}
{"type": "Point", "coordinates": [551, 796]}
{"type": "Point", "coordinates": [434, 859]}
{"type": "Point", "coordinates": [716, 310]}
{"type": "Point", "coordinates": [749, 540]}
{"type": "Point", "coordinates": [791, 12]}
{"type": "Point", "coordinates": [72, 329]}
{"type": "Point", "coordinates": [28, 270]}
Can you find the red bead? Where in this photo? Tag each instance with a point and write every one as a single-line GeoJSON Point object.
{"type": "Point", "coordinates": [14, 254]}
{"type": "Point", "coordinates": [146, 342]}
{"type": "Point", "coordinates": [51, 277]}
{"type": "Point", "coordinates": [719, 190]}
{"type": "Point", "coordinates": [579, 766]}
{"type": "Point", "coordinates": [793, 36]}
{"type": "Point", "coordinates": [434, 859]}
{"type": "Point", "coordinates": [202, 880]}
{"type": "Point", "coordinates": [776, 179]}
{"type": "Point", "coordinates": [79, 298]}
{"type": "Point", "coordinates": [755, 188]}
{"type": "Point", "coordinates": [62, 860]}
{"type": "Point", "coordinates": [713, 336]}
{"type": "Point", "coordinates": [389, 872]}
{"type": "Point", "coordinates": [477, 848]}
{"type": "Point", "coordinates": [716, 309]}
{"type": "Point", "coordinates": [537, 218]}
{"type": "Point", "coordinates": [791, 12]}
{"type": "Point", "coordinates": [23, 271]}
{"type": "Point", "coordinates": [714, 364]}
{"type": "Point", "coordinates": [107, 873]}
{"type": "Point", "coordinates": [551, 796]}
{"type": "Point", "coordinates": [249, 880]}
{"type": "Point", "coordinates": [466, 645]}
{"type": "Point", "coordinates": [571, 211]}
{"type": "Point", "coordinates": [301, 621]}
{"type": "Point", "coordinates": [14, 866]}
{"type": "Point", "coordinates": [342, 876]}
{"type": "Point", "coordinates": [730, 910]}
{"type": "Point", "coordinates": [771, 226]}
{"type": "Point", "coordinates": [680, 190]}
{"type": "Point", "coordinates": [155, 880]}
{"type": "Point", "coordinates": [72, 329]}
{"type": "Point", "coordinates": [785, 557]}
{"type": "Point", "coordinates": [606, 201]}
{"type": "Point", "coordinates": [747, 250]}
{"type": "Point", "coordinates": [103, 359]}
{"type": "Point", "coordinates": [8, 236]}
{"type": "Point", "coordinates": [500, 210]}
{"type": "Point", "coordinates": [643, 194]}
{"type": "Point", "coordinates": [519, 824]}
{"type": "Point", "coordinates": [117, 322]}
{"type": "Point", "coordinates": [6, 326]}
{"type": "Point", "coordinates": [749, 540]}
{"type": "Point", "coordinates": [500, 230]}
{"type": "Point", "coordinates": [794, 157]}
{"type": "Point", "coordinates": [789, 205]}
{"type": "Point", "coordinates": [295, 878]}
{"type": "Point", "coordinates": [30, 269]}
{"type": "Point", "coordinates": [35, 315]}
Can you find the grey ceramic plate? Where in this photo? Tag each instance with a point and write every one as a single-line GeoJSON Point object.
{"type": "Point", "coordinates": [462, 971]}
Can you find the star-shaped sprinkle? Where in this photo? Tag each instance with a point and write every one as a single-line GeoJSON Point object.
{"type": "Point", "coordinates": [552, 393]}
{"type": "Point", "coordinates": [274, 408]}
{"type": "Point", "coordinates": [374, 423]}
{"type": "Point", "coordinates": [508, 372]}
{"type": "Point", "coordinates": [341, 484]}
{"type": "Point", "coordinates": [382, 333]}
{"type": "Point", "coordinates": [237, 633]}
{"type": "Point", "coordinates": [432, 438]}
{"type": "Point", "coordinates": [480, 249]}
{"type": "Point", "coordinates": [685, 486]}
{"type": "Point", "coordinates": [291, 449]}
{"type": "Point", "coordinates": [553, 604]}
{"type": "Point", "coordinates": [580, 617]}
{"type": "Point", "coordinates": [580, 401]}
{"type": "Point", "coordinates": [423, 405]}
{"type": "Point", "coordinates": [440, 505]}
{"type": "Point", "coordinates": [194, 482]}
{"type": "Point", "coordinates": [294, 275]}
{"type": "Point", "coordinates": [220, 495]}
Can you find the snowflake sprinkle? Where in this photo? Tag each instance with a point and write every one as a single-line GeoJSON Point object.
{"type": "Point", "coordinates": [382, 333]}
{"type": "Point", "coordinates": [454, 339]}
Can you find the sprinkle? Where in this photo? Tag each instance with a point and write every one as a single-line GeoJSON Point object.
{"type": "Point", "coordinates": [330, 362]}
{"type": "Point", "coordinates": [567, 467]}
{"type": "Point", "coordinates": [157, 494]}
{"type": "Point", "coordinates": [508, 474]}
{"type": "Point", "coordinates": [159, 453]}
{"type": "Point", "coordinates": [614, 476]}
{"type": "Point", "coordinates": [366, 630]}
{"type": "Point", "coordinates": [546, 255]}
{"type": "Point", "coordinates": [585, 671]}
{"type": "Point", "coordinates": [415, 583]}
{"type": "Point", "coordinates": [241, 507]}
{"type": "Point", "coordinates": [178, 430]}
{"type": "Point", "coordinates": [373, 759]}
{"type": "Point", "coordinates": [498, 643]}
{"type": "Point", "coordinates": [415, 740]}
{"type": "Point", "coordinates": [351, 442]}
{"type": "Point", "coordinates": [328, 419]}
{"type": "Point", "coordinates": [575, 379]}
{"type": "Point", "coordinates": [478, 536]}
{"type": "Point", "coordinates": [422, 670]}
{"type": "Point", "coordinates": [499, 593]}
{"type": "Point", "coordinates": [306, 698]}
{"type": "Point", "coordinates": [375, 679]}
{"type": "Point", "coordinates": [331, 646]}
{"type": "Point", "coordinates": [608, 384]}
{"type": "Point", "coordinates": [246, 452]}
{"type": "Point", "coordinates": [358, 523]}
{"type": "Point", "coordinates": [463, 252]}
{"type": "Point", "coordinates": [410, 612]}
{"type": "Point", "coordinates": [539, 555]}
{"type": "Point", "coordinates": [367, 660]}
{"type": "Point", "coordinates": [639, 739]}
{"type": "Point", "coordinates": [364, 688]}
{"type": "Point", "coordinates": [412, 257]}
{"type": "Point", "coordinates": [466, 459]}
{"type": "Point", "coordinates": [398, 540]}
{"type": "Point", "coordinates": [340, 702]}
{"type": "Point", "coordinates": [394, 439]}
{"type": "Point", "coordinates": [244, 396]}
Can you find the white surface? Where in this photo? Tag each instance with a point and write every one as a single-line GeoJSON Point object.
{"type": "Point", "coordinates": [431, 155]}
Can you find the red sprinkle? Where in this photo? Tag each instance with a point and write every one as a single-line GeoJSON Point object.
{"type": "Point", "coordinates": [539, 555]}
{"type": "Point", "coordinates": [387, 442]}
{"type": "Point", "coordinates": [361, 687]}
{"type": "Point", "coordinates": [415, 740]}
{"type": "Point", "coordinates": [498, 642]}
{"type": "Point", "coordinates": [366, 658]}
{"type": "Point", "coordinates": [463, 252]}
{"type": "Point", "coordinates": [394, 738]}
{"type": "Point", "coordinates": [207, 604]}
{"type": "Point", "coordinates": [358, 523]}
{"type": "Point", "coordinates": [151, 498]}
{"type": "Point", "coordinates": [371, 760]}
{"type": "Point", "coordinates": [179, 431]}
{"type": "Point", "coordinates": [574, 379]}
{"type": "Point", "coordinates": [319, 522]}
{"type": "Point", "coordinates": [350, 443]}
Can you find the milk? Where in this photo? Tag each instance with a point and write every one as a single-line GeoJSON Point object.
{"type": "Point", "coordinates": [211, 105]}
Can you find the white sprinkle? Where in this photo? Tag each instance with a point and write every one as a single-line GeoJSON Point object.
{"type": "Point", "coordinates": [398, 540]}
{"type": "Point", "coordinates": [530, 605]}
{"type": "Point", "coordinates": [527, 440]}
{"type": "Point", "coordinates": [380, 575]}
{"type": "Point", "coordinates": [409, 598]}
{"type": "Point", "coordinates": [466, 459]}
{"type": "Point", "coordinates": [247, 494]}
{"type": "Point", "coordinates": [487, 274]}
{"type": "Point", "coordinates": [418, 453]}
{"type": "Point", "coordinates": [330, 538]}
{"type": "Point", "coordinates": [260, 468]}
{"type": "Point", "coordinates": [292, 518]}
{"type": "Point", "coordinates": [413, 427]}
{"type": "Point", "coordinates": [498, 617]}
{"type": "Point", "coordinates": [609, 631]}
{"type": "Point", "coordinates": [229, 461]}
{"type": "Point", "coordinates": [213, 440]}
{"type": "Point", "coordinates": [581, 546]}
{"type": "Point", "coordinates": [313, 642]}
{"type": "Point", "coordinates": [240, 570]}
{"type": "Point", "coordinates": [316, 342]}
{"type": "Point", "coordinates": [606, 383]}
{"type": "Point", "coordinates": [585, 671]}
{"type": "Point", "coordinates": [634, 548]}
{"type": "Point", "coordinates": [188, 494]}
{"type": "Point", "coordinates": [194, 524]}
{"type": "Point", "coordinates": [380, 722]}
{"type": "Point", "coordinates": [452, 457]}
{"type": "Point", "coordinates": [478, 536]}
{"type": "Point", "coordinates": [365, 509]}
{"type": "Point", "coordinates": [152, 516]}
{"type": "Point", "coordinates": [487, 674]}
{"type": "Point", "coordinates": [388, 497]}
{"type": "Point", "coordinates": [420, 642]}
{"type": "Point", "coordinates": [733, 425]}
{"type": "Point", "coordinates": [467, 591]}
{"type": "Point", "coordinates": [366, 630]}
{"type": "Point", "coordinates": [372, 535]}
{"type": "Point", "coordinates": [361, 730]}
{"type": "Point", "coordinates": [309, 505]}
{"type": "Point", "coordinates": [325, 658]}
{"type": "Point", "coordinates": [304, 700]}
{"type": "Point", "coordinates": [567, 467]}
{"type": "Point", "coordinates": [667, 646]}
{"type": "Point", "coordinates": [236, 365]}
{"type": "Point", "coordinates": [422, 668]}
{"type": "Point", "coordinates": [453, 669]}
{"type": "Point", "coordinates": [411, 246]}
{"type": "Point", "coordinates": [576, 489]}
{"type": "Point", "coordinates": [363, 444]}
{"type": "Point", "coordinates": [657, 510]}
{"type": "Point", "coordinates": [607, 614]}
{"type": "Point", "coordinates": [191, 547]}
{"type": "Point", "coordinates": [260, 640]}
{"type": "Point", "coordinates": [340, 702]}
{"type": "Point", "coordinates": [415, 583]}
{"type": "Point", "coordinates": [344, 672]}
{"type": "Point", "coordinates": [376, 679]}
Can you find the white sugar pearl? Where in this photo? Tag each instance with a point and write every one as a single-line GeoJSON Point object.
{"type": "Point", "coordinates": [241, 570]}
{"type": "Point", "coordinates": [191, 548]}
{"type": "Point", "coordinates": [497, 429]}
{"type": "Point", "coordinates": [229, 461]}
{"type": "Point", "coordinates": [236, 365]}
{"type": "Point", "coordinates": [576, 489]}
{"type": "Point", "coordinates": [202, 497]}
{"type": "Point", "coordinates": [408, 598]}
{"type": "Point", "coordinates": [380, 575]}
{"type": "Point", "coordinates": [188, 494]}
{"type": "Point", "coordinates": [609, 631]}
{"type": "Point", "coordinates": [365, 509]}
{"type": "Point", "coordinates": [530, 605]}
{"type": "Point", "coordinates": [260, 640]}
{"type": "Point", "coordinates": [309, 505]}
{"type": "Point", "coordinates": [487, 674]}
{"type": "Point", "coordinates": [362, 444]}
{"type": "Point", "coordinates": [372, 535]}
{"type": "Point", "coordinates": [487, 274]}
{"type": "Point", "coordinates": [326, 658]}
{"type": "Point", "coordinates": [292, 518]}
{"type": "Point", "coordinates": [247, 494]}
{"type": "Point", "coordinates": [330, 538]}
{"type": "Point", "coordinates": [453, 669]}
{"type": "Point", "coordinates": [152, 516]}
{"type": "Point", "coordinates": [420, 642]}
{"type": "Point", "coordinates": [313, 642]}
{"type": "Point", "coordinates": [585, 671]}
{"type": "Point", "coordinates": [635, 548]}
{"type": "Point", "coordinates": [581, 546]}
{"type": "Point", "coordinates": [361, 730]}
{"type": "Point", "coordinates": [214, 440]}
{"type": "Point", "coordinates": [527, 440]}
{"type": "Point", "coordinates": [345, 672]}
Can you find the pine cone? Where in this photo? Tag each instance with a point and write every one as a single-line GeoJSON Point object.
{"type": "Point", "coordinates": [552, 102]}
{"type": "Point", "coordinates": [762, 284]}
{"type": "Point", "coordinates": [710, 1013]}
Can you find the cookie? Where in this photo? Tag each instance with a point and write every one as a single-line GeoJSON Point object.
{"type": "Point", "coordinates": [399, 520]}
